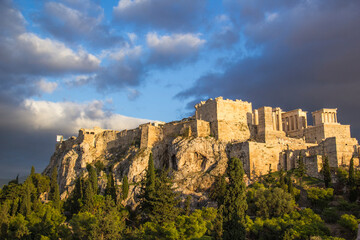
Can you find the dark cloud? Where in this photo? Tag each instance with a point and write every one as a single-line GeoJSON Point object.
{"type": "Point", "coordinates": [78, 21]}
{"type": "Point", "coordinates": [310, 59]}
{"type": "Point", "coordinates": [165, 14]}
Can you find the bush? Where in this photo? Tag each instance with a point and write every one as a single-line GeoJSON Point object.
{"type": "Point", "coordinates": [269, 203]}
{"type": "Point", "coordinates": [330, 215]}
{"type": "Point", "coordinates": [320, 197]}
{"type": "Point", "coordinates": [349, 222]}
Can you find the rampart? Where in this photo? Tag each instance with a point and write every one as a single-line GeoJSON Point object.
{"type": "Point", "coordinates": [264, 138]}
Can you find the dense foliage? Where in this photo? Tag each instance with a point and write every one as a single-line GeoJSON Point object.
{"type": "Point", "coordinates": [272, 208]}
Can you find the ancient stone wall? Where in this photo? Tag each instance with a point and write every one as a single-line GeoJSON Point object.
{"type": "Point", "coordinates": [184, 128]}
{"type": "Point", "coordinates": [150, 134]}
{"type": "Point", "coordinates": [202, 128]}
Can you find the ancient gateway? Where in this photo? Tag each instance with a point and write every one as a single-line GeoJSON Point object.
{"type": "Point", "coordinates": [263, 138]}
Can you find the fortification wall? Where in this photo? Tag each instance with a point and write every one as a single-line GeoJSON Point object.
{"type": "Point", "coordinates": [183, 128]}
{"type": "Point", "coordinates": [346, 148]}
{"type": "Point", "coordinates": [234, 111]}
{"type": "Point", "coordinates": [202, 128]}
{"type": "Point", "coordinates": [206, 111]}
{"type": "Point", "coordinates": [337, 130]}
{"type": "Point", "coordinates": [314, 134]}
{"type": "Point", "coordinates": [150, 134]}
{"type": "Point", "coordinates": [126, 138]}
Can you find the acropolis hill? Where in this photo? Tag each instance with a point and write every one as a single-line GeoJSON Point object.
{"type": "Point", "coordinates": [197, 148]}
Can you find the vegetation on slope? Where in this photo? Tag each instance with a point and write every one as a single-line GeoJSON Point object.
{"type": "Point", "coordinates": [280, 205]}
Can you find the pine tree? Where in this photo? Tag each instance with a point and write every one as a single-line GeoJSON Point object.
{"type": "Point", "coordinates": [25, 205]}
{"type": "Point", "coordinates": [54, 194]}
{"type": "Point", "coordinates": [125, 188]}
{"type": "Point", "coordinates": [93, 178]}
{"type": "Point", "coordinates": [326, 172]}
{"type": "Point", "coordinates": [164, 200]}
{"type": "Point", "coordinates": [235, 204]}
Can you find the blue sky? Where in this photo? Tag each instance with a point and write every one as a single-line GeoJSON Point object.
{"type": "Point", "coordinates": [68, 64]}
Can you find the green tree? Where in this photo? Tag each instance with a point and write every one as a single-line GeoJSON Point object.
{"type": "Point", "coordinates": [187, 205]}
{"type": "Point", "coordinates": [89, 197]}
{"type": "Point", "coordinates": [32, 171]}
{"type": "Point", "coordinates": [125, 188]}
{"type": "Point", "coordinates": [301, 168]}
{"type": "Point", "coordinates": [93, 178]}
{"type": "Point", "coordinates": [218, 192]}
{"type": "Point", "coordinates": [164, 200]}
{"type": "Point", "coordinates": [218, 224]}
{"type": "Point", "coordinates": [110, 187]}
{"type": "Point", "coordinates": [326, 172]}
{"type": "Point", "coordinates": [351, 181]}
{"type": "Point", "coordinates": [18, 227]}
{"type": "Point", "coordinates": [235, 204]}
{"type": "Point", "coordinates": [273, 202]}
{"type": "Point", "coordinates": [25, 205]}
{"type": "Point", "coordinates": [148, 189]}
{"type": "Point", "coordinates": [54, 194]}
{"type": "Point", "coordinates": [290, 185]}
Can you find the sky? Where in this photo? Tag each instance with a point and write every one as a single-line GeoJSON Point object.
{"type": "Point", "coordinates": [71, 64]}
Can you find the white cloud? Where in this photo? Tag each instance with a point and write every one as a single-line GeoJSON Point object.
{"type": "Point", "coordinates": [125, 4]}
{"type": "Point", "coordinates": [54, 55]}
{"type": "Point", "coordinates": [269, 17]}
{"type": "Point", "coordinates": [69, 117]}
{"type": "Point", "coordinates": [120, 54]}
{"type": "Point", "coordinates": [174, 43]}
{"type": "Point", "coordinates": [45, 86]}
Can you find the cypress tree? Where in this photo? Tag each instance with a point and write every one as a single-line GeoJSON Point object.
{"type": "Point", "coordinates": [351, 180]}
{"type": "Point", "coordinates": [301, 168]}
{"type": "Point", "coordinates": [282, 180]}
{"type": "Point", "coordinates": [219, 190]}
{"type": "Point", "coordinates": [218, 224]}
{"type": "Point", "coordinates": [32, 171]}
{"type": "Point", "coordinates": [326, 172]}
{"type": "Point", "coordinates": [235, 204]}
{"type": "Point", "coordinates": [89, 197]}
{"type": "Point", "coordinates": [54, 194]}
{"type": "Point", "coordinates": [110, 187]}
{"type": "Point", "coordinates": [290, 186]}
{"type": "Point", "coordinates": [25, 205]}
{"type": "Point", "coordinates": [125, 188]}
{"type": "Point", "coordinates": [93, 178]}
{"type": "Point", "coordinates": [187, 205]}
{"type": "Point", "coordinates": [148, 188]}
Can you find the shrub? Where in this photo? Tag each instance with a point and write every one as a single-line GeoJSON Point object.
{"type": "Point", "coordinates": [349, 222]}
{"type": "Point", "coordinates": [320, 197]}
{"type": "Point", "coordinates": [330, 215]}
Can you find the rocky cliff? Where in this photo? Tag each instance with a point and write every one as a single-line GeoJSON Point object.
{"type": "Point", "coordinates": [193, 162]}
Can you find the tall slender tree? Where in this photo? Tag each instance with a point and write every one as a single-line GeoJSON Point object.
{"type": "Point", "coordinates": [235, 204]}
{"type": "Point", "coordinates": [93, 178]}
{"type": "Point", "coordinates": [125, 188]}
{"type": "Point", "coordinates": [148, 189]}
{"type": "Point", "coordinates": [54, 194]}
{"type": "Point", "coordinates": [218, 193]}
{"type": "Point", "coordinates": [326, 172]}
{"type": "Point", "coordinates": [353, 193]}
{"type": "Point", "coordinates": [110, 187]}
{"type": "Point", "coordinates": [301, 168]}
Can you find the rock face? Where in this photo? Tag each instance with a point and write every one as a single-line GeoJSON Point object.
{"type": "Point", "coordinates": [196, 149]}
{"type": "Point", "coordinates": [193, 162]}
